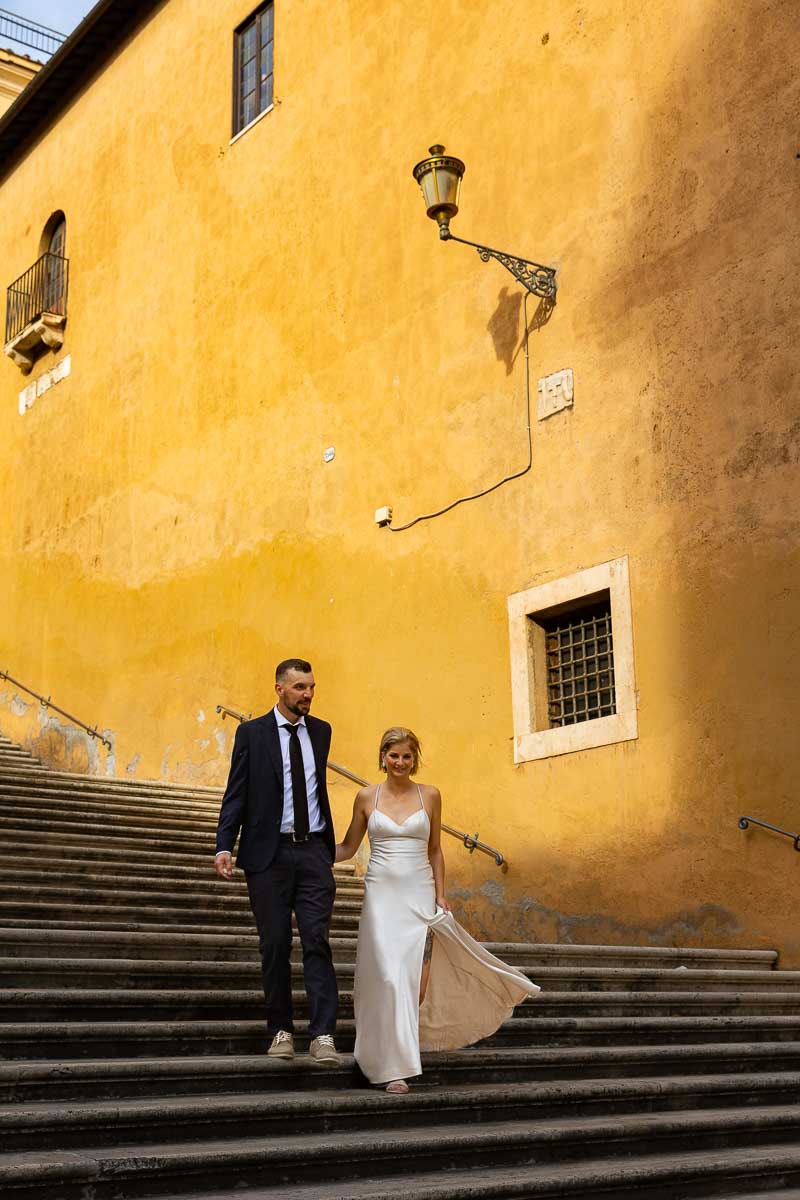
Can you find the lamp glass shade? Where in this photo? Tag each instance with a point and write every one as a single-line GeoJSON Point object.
{"type": "Point", "coordinates": [439, 177]}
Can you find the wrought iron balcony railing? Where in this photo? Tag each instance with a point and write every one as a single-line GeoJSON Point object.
{"type": "Point", "coordinates": [42, 289]}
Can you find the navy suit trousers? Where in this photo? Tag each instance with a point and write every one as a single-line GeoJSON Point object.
{"type": "Point", "coordinates": [298, 880]}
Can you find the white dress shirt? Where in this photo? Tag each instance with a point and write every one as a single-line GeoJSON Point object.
{"type": "Point", "coordinates": [315, 818]}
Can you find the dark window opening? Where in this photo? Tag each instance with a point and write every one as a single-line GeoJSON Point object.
{"type": "Point", "coordinates": [252, 67]}
{"type": "Point", "coordinates": [579, 652]}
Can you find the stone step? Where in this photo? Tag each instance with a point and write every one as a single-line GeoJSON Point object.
{"type": "Point", "coordinates": [96, 889]}
{"type": "Point", "coordinates": [139, 820]}
{"type": "Point", "coordinates": [40, 861]}
{"type": "Point", "coordinates": [98, 917]}
{"type": "Point", "coordinates": [69, 783]}
{"type": "Point", "coordinates": [224, 1002]}
{"type": "Point", "coordinates": [244, 947]}
{"type": "Point", "coordinates": [223, 919]}
{"type": "Point", "coordinates": [107, 844]}
{"type": "Point", "coordinates": [198, 888]}
{"type": "Point", "coordinates": [50, 971]}
{"type": "Point", "coordinates": [111, 851]}
{"type": "Point", "coordinates": [191, 1073]}
{"type": "Point", "coordinates": [109, 1122]}
{"type": "Point", "coordinates": [25, 780]}
{"type": "Point", "coordinates": [183, 812]}
{"type": "Point", "coordinates": [683, 1176]}
{"type": "Point", "coordinates": [67, 943]}
{"type": "Point", "coordinates": [176, 1168]}
{"type": "Point", "coordinates": [47, 915]}
{"type": "Point", "coordinates": [57, 829]}
{"type": "Point", "coordinates": [118, 1039]}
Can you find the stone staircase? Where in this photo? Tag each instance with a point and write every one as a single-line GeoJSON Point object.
{"type": "Point", "coordinates": [132, 1047]}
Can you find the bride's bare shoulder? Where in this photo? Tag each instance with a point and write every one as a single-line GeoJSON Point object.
{"type": "Point", "coordinates": [429, 792]}
{"type": "Point", "coordinates": [366, 796]}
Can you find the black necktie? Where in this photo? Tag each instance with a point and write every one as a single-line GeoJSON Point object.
{"type": "Point", "coordinates": [299, 793]}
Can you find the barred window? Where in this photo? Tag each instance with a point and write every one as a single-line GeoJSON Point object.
{"type": "Point", "coordinates": [252, 67]}
{"type": "Point", "coordinates": [579, 654]}
{"type": "Point", "coordinates": [573, 685]}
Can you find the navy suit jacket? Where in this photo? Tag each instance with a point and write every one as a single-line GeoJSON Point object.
{"type": "Point", "coordinates": [253, 799]}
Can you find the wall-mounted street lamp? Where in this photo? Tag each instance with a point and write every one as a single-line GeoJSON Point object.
{"type": "Point", "coordinates": [440, 177]}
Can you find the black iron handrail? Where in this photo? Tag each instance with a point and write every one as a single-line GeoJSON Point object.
{"type": "Point", "coordinates": [41, 289]}
{"type": "Point", "coordinates": [468, 841]}
{"type": "Point", "coordinates": [745, 822]}
{"type": "Point", "coordinates": [46, 702]}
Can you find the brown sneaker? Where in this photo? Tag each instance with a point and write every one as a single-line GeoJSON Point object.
{"type": "Point", "coordinates": [323, 1051]}
{"type": "Point", "coordinates": [282, 1045]}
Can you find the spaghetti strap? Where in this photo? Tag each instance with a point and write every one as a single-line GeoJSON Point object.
{"type": "Point", "coordinates": [421, 802]}
{"type": "Point", "coordinates": [377, 794]}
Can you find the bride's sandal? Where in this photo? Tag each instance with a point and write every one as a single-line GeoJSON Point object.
{"type": "Point", "coordinates": [397, 1087]}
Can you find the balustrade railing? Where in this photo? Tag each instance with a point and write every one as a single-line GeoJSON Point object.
{"type": "Point", "coordinates": [41, 289]}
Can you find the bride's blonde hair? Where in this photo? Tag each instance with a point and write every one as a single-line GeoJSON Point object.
{"type": "Point", "coordinates": [398, 733]}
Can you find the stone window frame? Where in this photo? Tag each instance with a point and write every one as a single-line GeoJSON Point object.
{"type": "Point", "coordinates": [534, 738]}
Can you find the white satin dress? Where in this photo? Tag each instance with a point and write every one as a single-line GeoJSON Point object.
{"type": "Point", "coordinates": [470, 992]}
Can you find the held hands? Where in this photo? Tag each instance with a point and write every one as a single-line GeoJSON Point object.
{"type": "Point", "coordinates": [442, 903]}
{"type": "Point", "coordinates": [223, 865]}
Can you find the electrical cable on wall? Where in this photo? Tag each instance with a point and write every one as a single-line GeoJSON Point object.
{"type": "Point", "coordinates": [517, 475]}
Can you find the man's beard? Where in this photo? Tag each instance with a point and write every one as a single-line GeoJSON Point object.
{"type": "Point", "coordinates": [297, 710]}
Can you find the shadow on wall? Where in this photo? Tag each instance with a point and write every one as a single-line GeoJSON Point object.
{"type": "Point", "coordinates": [504, 324]}
{"type": "Point", "coordinates": [703, 290]}
{"type": "Point", "coordinates": [711, 264]}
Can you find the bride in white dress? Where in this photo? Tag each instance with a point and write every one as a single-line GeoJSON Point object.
{"type": "Point", "coordinates": [422, 983]}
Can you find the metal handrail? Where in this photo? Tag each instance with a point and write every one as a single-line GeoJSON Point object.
{"type": "Point", "coordinates": [470, 843]}
{"type": "Point", "coordinates": [231, 712]}
{"type": "Point", "coordinates": [46, 702]}
{"type": "Point", "coordinates": [745, 822]}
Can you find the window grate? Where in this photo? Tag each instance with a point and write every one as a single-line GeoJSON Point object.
{"type": "Point", "coordinates": [252, 70]}
{"type": "Point", "coordinates": [580, 665]}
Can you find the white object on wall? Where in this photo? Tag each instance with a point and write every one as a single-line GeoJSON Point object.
{"type": "Point", "coordinates": [556, 392]}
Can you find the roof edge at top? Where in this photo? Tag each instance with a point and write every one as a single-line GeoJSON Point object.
{"type": "Point", "coordinates": [82, 56]}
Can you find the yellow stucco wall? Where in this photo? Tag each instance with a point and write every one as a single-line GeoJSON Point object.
{"type": "Point", "coordinates": [168, 528]}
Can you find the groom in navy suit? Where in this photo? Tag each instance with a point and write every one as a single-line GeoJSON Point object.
{"type": "Point", "coordinates": [277, 797]}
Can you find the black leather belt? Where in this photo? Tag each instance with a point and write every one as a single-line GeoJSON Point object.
{"type": "Point", "coordinates": [299, 838]}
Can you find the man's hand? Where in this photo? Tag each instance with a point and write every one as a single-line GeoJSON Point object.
{"type": "Point", "coordinates": [223, 865]}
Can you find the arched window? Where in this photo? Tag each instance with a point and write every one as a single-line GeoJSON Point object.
{"type": "Point", "coordinates": [58, 237]}
{"type": "Point", "coordinates": [54, 265]}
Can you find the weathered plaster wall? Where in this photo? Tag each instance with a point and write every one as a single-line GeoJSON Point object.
{"type": "Point", "coordinates": [168, 528]}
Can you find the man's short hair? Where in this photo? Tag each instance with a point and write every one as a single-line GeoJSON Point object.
{"type": "Point", "coordinates": [291, 664]}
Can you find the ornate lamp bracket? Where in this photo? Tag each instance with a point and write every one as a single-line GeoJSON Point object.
{"type": "Point", "coordinates": [539, 280]}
